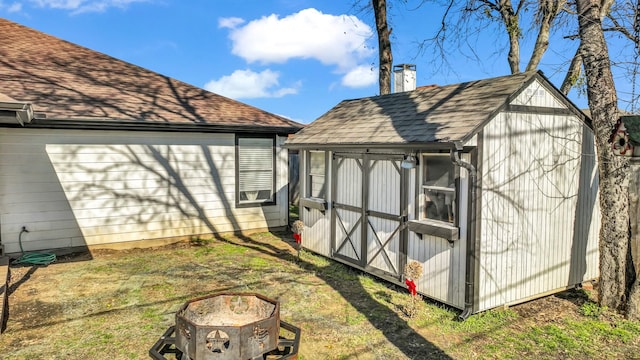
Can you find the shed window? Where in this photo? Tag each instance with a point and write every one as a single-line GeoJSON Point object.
{"type": "Point", "coordinates": [317, 170]}
{"type": "Point", "coordinates": [255, 174]}
{"type": "Point", "coordinates": [439, 188]}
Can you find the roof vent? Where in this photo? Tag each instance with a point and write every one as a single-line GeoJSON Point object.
{"type": "Point", "coordinates": [404, 77]}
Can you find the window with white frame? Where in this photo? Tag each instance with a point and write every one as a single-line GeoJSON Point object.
{"type": "Point", "coordinates": [255, 170]}
{"type": "Point", "coordinates": [316, 180]}
{"type": "Point", "coordinates": [438, 188]}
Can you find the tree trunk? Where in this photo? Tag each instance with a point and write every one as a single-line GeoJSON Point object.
{"type": "Point", "coordinates": [512, 23]}
{"type": "Point", "coordinates": [547, 12]}
{"type": "Point", "coordinates": [614, 170]}
{"type": "Point", "coordinates": [633, 306]}
{"type": "Point", "coordinates": [384, 45]}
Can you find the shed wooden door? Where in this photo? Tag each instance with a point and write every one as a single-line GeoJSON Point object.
{"type": "Point", "coordinates": [370, 212]}
{"type": "Point", "coordinates": [347, 203]}
{"type": "Point", "coordinates": [384, 216]}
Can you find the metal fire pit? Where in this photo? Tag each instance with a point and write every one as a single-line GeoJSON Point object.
{"type": "Point", "coordinates": [228, 326]}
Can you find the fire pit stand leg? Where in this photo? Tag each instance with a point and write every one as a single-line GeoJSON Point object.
{"type": "Point", "coordinates": [165, 345]}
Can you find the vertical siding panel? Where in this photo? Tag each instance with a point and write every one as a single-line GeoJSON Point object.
{"type": "Point", "coordinates": [531, 179]}
{"type": "Point", "coordinates": [316, 233]}
{"type": "Point", "coordinates": [536, 95]}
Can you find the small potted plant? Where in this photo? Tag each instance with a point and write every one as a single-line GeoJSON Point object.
{"type": "Point", "coordinates": [297, 227]}
{"type": "Point", "coordinates": [412, 272]}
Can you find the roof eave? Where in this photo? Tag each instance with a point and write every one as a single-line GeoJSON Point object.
{"type": "Point", "coordinates": [537, 75]}
{"type": "Point", "coordinates": [15, 113]}
{"type": "Point", "coordinates": [498, 109]}
{"type": "Point", "coordinates": [435, 145]}
{"type": "Point", "coordinates": [51, 123]}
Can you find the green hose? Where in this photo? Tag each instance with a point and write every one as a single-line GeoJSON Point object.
{"type": "Point", "coordinates": [33, 258]}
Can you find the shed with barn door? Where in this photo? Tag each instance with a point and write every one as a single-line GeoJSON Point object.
{"type": "Point", "coordinates": [490, 185]}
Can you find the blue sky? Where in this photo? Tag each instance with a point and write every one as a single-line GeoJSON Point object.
{"type": "Point", "coordinates": [293, 58]}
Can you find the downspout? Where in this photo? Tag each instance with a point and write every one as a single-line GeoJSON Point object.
{"type": "Point", "coordinates": [469, 275]}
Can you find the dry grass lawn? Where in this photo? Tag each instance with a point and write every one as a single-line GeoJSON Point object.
{"type": "Point", "coordinates": [116, 304]}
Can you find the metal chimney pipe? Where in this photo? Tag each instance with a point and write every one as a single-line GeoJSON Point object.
{"type": "Point", "coordinates": [404, 77]}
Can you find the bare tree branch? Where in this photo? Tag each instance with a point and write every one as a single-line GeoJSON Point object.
{"type": "Point", "coordinates": [547, 12]}
{"type": "Point", "coordinates": [574, 70]}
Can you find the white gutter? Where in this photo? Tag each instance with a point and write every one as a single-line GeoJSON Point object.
{"type": "Point", "coordinates": [12, 112]}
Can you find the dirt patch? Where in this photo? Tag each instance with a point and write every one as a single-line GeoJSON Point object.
{"type": "Point", "coordinates": [116, 304]}
{"type": "Point", "coordinates": [552, 308]}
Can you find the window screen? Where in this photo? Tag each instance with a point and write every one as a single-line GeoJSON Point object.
{"type": "Point", "coordinates": [439, 188]}
{"type": "Point", "coordinates": [316, 174]}
{"type": "Point", "coordinates": [255, 170]}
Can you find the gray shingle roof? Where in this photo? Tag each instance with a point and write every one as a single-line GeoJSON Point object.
{"type": "Point", "coordinates": [70, 82]}
{"type": "Point", "coordinates": [438, 114]}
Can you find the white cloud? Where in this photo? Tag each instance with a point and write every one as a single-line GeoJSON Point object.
{"type": "Point", "coordinates": [249, 84]}
{"type": "Point", "coordinates": [11, 8]}
{"type": "Point", "coordinates": [309, 34]}
{"type": "Point", "coordinates": [15, 7]}
{"type": "Point", "coordinates": [231, 22]}
{"type": "Point", "coordinates": [361, 76]}
{"type": "Point", "coordinates": [84, 6]}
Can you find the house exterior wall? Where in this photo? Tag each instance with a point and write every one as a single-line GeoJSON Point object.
{"type": "Point", "coordinates": [539, 214]}
{"type": "Point", "coordinates": [90, 188]}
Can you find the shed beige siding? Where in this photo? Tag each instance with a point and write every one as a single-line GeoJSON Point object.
{"type": "Point", "coordinates": [443, 263]}
{"type": "Point", "coordinates": [317, 224]}
{"type": "Point", "coordinates": [316, 236]}
{"type": "Point", "coordinates": [539, 211]}
{"type": "Point", "coordinates": [83, 188]}
{"type": "Point", "coordinates": [536, 95]}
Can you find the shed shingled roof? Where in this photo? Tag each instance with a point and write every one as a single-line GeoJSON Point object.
{"type": "Point", "coordinates": [67, 81]}
{"type": "Point", "coordinates": [440, 114]}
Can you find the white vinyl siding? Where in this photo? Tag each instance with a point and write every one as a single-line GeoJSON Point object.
{"type": "Point", "coordinates": [255, 170]}
{"type": "Point", "coordinates": [85, 188]}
